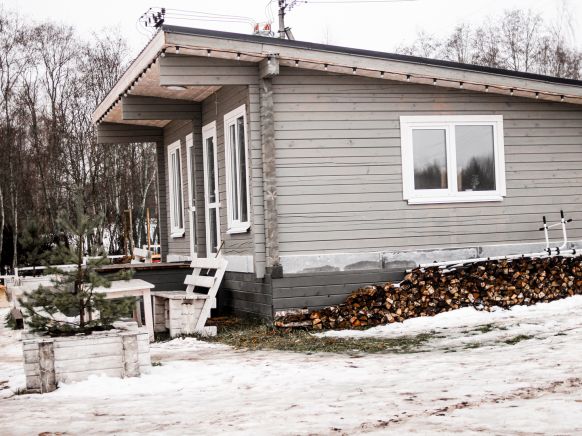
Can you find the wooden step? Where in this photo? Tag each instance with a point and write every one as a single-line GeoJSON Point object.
{"type": "Point", "coordinates": [180, 295]}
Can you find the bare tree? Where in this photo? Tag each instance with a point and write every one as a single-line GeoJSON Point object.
{"type": "Point", "coordinates": [458, 47]}
{"type": "Point", "coordinates": [425, 45]}
{"type": "Point", "coordinates": [517, 40]}
{"type": "Point", "coordinates": [50, 82]}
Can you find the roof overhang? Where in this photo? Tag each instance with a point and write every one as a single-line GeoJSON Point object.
{"type": "Point", "coordinates": [142, 78]}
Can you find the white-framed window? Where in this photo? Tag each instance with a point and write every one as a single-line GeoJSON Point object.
{"type": "Point", "coordinates": [452, 158]}
{"type": "Point", "coordinates": [211, 188]}
{"type": "Point", "coordinates": [237, 180]}
{"type": "Point", "coordinates": [175, 184]}
{"type": "Point", "coordinates": [191, 205]}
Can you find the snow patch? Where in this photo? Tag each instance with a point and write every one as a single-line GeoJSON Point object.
{"type": "Point", "coordinates": [466, 317]}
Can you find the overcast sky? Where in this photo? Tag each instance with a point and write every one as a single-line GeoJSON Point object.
{"type": "Point", "coordinates": [368, 24]}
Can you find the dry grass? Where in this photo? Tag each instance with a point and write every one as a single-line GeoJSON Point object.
{"type": "Point", "coordinates": [256, 335]}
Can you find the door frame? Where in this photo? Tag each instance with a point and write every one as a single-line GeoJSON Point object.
{"type": "Point", "coordinates": [191, 195]}
{"type": "Point", "coordinates": [209, 131]}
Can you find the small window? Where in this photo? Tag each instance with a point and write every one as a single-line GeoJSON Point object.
{"type": "Point", "coordinates": [449, 159]}
{"type": "Point", "coordinates": [237, 183]}
{"type": "Point", "coordinates": [175, 184]}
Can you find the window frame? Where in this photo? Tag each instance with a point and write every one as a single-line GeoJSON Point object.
{"type": "Point", "coordinates": [192, 212]}
{"type": "Point", "coordinates": [175, 147]}
{"type": "Point", "coordinates": [451, 194]}
{"type": "Point", "coordinates": [209, 131]}
{"type": "Point", "coordinates": [236, 225]}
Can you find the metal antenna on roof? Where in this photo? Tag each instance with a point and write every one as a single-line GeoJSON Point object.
{"type": "Point", "coordinates": [285, 5]}
{"type": "Point", "coordinates": [153, 17]}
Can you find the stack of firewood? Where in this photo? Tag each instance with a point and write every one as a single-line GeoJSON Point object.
{"type": "Point", "coordinates": [428, 291]}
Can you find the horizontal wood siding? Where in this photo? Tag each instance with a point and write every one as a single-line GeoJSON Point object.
{"type": "Point", "coordinates": [161, 157]}
{"type": "Point", "coordinates": [339, 170]}
{"type": "Point", "coordinates": [245, 294]}
{"type": "Point", "coordinates": [166, 279]}
{"type": "Point", "coordinates": [154, 108]}
{"type": "Point", "coordinates": [177, 131]}
{"type": "Point", "coordinates": [194, 70]}
{"type": "Point", "coordinates": [323, 289]}
{"type": "Point", "coordinates": [213, 109]}
{"type": "Point", "coordinates": [113, 133]}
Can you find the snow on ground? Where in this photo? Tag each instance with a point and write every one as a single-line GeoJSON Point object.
{"type": "Point", "coordinates": [475, 328]}
{"type": "Point", "coordinates": [11, 370]}
{"type": "Point", "coordinates": [467, 380]}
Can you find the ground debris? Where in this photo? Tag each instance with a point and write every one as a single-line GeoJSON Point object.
{"type": "Point", "coordinates": [429, 291]}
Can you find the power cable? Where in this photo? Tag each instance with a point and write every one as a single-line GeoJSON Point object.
{"type": "Point", "coordinates": [323, 2]}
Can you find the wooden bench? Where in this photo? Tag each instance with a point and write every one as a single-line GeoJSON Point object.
{"type": "Point", "coordinates": [186, 312]}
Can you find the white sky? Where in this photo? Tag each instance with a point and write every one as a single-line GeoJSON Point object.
{"type": "Point", "coordinates": [375, 26]}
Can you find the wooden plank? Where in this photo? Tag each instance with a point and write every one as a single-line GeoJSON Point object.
{"type": "Point", "coordinates": [202, 281]}
{"type": "Point", "coordinates": [332, 278]}
{"type": "Point", "coordinates": [177, 131]}
{"type": "Point", "coordinates": [366, 62]}
{"type": "Point", "coordinates": [193, 70]}
{"type": "Point", "coordinates": [214, 108]}
{"type": "Point", "coordinates": [241, 295]}
{"type": "Point", "coordinates": [207, 263]}
{"type": "Point", "coordinates": [89, 364]}
{"type": "Point", "coordinates": [137, 66]}
{"type": "Point", "coordinates": [155, 108]}
{"type": "Point", "coordinates": [111, 133]}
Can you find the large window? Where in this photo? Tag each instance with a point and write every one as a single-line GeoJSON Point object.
{"type": "Point", "coordinates": [175, 183]}
{"type": "Point", "coordinates": [452, 158]}
{"type": "Point", "coordinates": [191, 207]}
{"type": "Point", "coordinates": [237, 184]}
{"type": "Point", "coordinates": [211, 188]}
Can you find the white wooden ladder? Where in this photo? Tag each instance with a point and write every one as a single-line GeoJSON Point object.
{"type": "Point", "coordinates": [186, 312]}
{"type": "Point", "coordinates": [210, 282]}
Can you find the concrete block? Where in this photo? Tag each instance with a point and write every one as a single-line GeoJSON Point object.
{"type": "Point", "coordinates": [396, 259]}
{"type": "Point", "coordinates": [310, 263]}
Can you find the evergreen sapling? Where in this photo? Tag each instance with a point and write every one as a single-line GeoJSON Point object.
{"type": "Point", "coordinates": [70, 305]}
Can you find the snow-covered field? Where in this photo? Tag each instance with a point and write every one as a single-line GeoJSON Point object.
{"type": "Point", "coordinates": [512, 372]}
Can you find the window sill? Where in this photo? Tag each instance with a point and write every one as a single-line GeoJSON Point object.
{"type": "Point", "coordinates": [177, 234]}
{"type": "Point", "coordinates": [444, 200]}
{"type": "Point", "coordinates": [241, 229]}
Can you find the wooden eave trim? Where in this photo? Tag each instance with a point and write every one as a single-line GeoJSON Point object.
{"type": "Point", "coordinates": [137, 66]}
{"type": "Point", "coordinates": [372, 67]}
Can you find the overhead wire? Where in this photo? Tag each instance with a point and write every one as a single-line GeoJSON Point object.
{"type": "Point", "coordinates": [269, 12]}
{"type": "Point", "coordinates": [353, 1]}
{"type": "Point", "coordinates": [187, 12]}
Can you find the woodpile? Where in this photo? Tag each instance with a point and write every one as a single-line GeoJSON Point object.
{"type": "Point", "coordinates": [428, 291]}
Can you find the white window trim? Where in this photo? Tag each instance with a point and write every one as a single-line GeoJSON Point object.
{"type": "Point", "coordinates": [236, 226]}
{"type": "Point", "coordinates": [175, 232]}
{"type": "Point", "coordinates": [447, 123]}
{"type": "Point", "coordinates": [209, 131]}
{"type": "Point", "coordinates": [191, 206]}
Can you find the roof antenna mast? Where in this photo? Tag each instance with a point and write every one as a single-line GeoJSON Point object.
{"type": "Point", "coordinates": [285, 32]}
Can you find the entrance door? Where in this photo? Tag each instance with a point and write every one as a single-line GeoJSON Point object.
{"type": "Point", "coordinates": [212, 201]}
{"type": "Point", "coordinates": [192, 195]}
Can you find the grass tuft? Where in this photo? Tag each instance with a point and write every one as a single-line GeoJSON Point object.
{"type": "Point", "coordinates": [255, 335]}
{"type": "Point", "coordinates": [517, 339]}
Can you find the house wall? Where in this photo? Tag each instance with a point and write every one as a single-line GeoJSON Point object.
{"type": "Point", "coordinates": [213, 109]}
{"type": "Point", "coordinates": [176, 131]}
{"type": "Point", "coordinates": [339, 172]}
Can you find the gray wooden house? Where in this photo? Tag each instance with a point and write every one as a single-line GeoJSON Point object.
{"type": "Point", "coordinates": [319, 168]}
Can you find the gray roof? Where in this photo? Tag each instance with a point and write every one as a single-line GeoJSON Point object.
{"type": "Point", "coordinates": [367, 53]}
